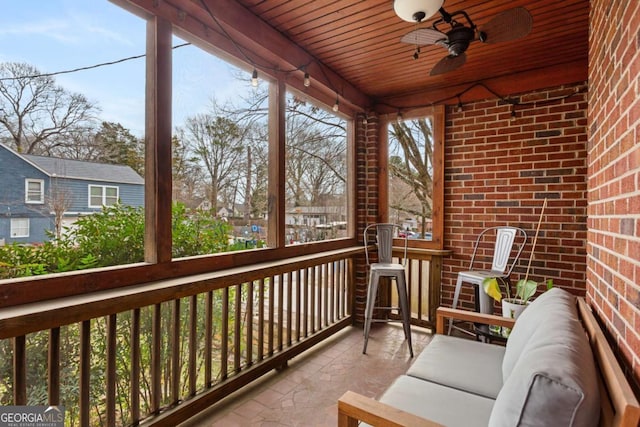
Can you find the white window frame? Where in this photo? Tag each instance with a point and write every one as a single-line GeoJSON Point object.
{"type": "Point", "coordinates": [103, 195]}
{"type": "Point", "coordinates": [19, 225]}
{"type": "Point", "coordinates": [27, 193]}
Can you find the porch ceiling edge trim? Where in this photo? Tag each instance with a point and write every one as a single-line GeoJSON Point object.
{"type": "Point", "coordinates": [506, 86]}
{"type": "Point", "coordinates": [265, 46]}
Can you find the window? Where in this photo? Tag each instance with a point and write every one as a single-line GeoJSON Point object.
{"type": "Point", "coordinates": [220, 156]}
{"type": "Point", "coordinates": [316, 173]}
{"type": "Point", "coordinates": [34, 191]}
{"type": "Point", "coordinates": [415, 176]}
{"type": "Point", "coordinates": [102, 196]}
{"type": "Point", "coordinates": [19, 227]}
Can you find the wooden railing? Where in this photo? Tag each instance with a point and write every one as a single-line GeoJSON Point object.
{"type": "Point", "coordinates": [424, 270]}
{"type": "Point", "coordinates": [160, 352]}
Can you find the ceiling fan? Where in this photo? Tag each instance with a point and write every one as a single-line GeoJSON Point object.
{"type": "Point", "coordinates": [455, 31]}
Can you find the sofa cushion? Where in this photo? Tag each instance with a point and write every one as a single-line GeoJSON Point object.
{"type": "Point", "coordinates": [551, 304]}
{"type": "Point", "coordinates": [444, 405]}
{"type": "Point", "coordinates": [554, 380]}
{"type": "Point", "coordinates": [464, 364]}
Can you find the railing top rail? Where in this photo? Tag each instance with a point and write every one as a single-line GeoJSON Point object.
{"type": "Point", "coordinates": [26, 318]}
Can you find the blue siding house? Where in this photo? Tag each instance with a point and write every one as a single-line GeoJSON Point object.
{"type": "Point", "coordinates": [35, 190]}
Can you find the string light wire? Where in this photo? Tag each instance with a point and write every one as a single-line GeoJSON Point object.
{"type": "Point", "coordinates": [89, 67]}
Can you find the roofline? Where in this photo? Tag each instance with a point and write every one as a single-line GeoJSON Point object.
{"type": "Point", "coordinates": [97, 180]}
{"type": "Point", "coordinates": [15, 153]}
{"type": "Point", "coordinates": [51, 175]}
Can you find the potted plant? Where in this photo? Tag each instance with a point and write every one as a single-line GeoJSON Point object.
{"type": "Point", "coordinates": [513, 306]}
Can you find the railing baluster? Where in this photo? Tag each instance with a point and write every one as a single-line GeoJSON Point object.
{"type": "Point", "coordinates": [175, 352]}
{"type": "Point", "coordinates": [304, 283]}
{"type": "Point", "coordinates": [298, 288]}
{"type": "Point", "coordinates": [334, 292]}
{"type": "Point", "coordinates": [156, 359]}
{"type": "Point", "coordinates": [261, 318]}
{"type": "Point", "coordinates": [289, 308]}
{"type": "Point", "coordinates": [111, 371]}
{"type": "Point", "coordinates": [85, 372]}
{"type": "Point", "coordinates": [338, 287]}
{"type": "Point", "coordinates": [325, 282]}
{"type": "Point", "coordinates": [270, 338]}
{"type": "Point", "coordinates": [418, 287]}
{"type": "Point", "coordinates": [237, 325]}
{"type": "Point", "coordinates": [208, 339]}
{"type": "Point", "coordinates": [343, 290]}
{"type": "Point", "coordinates": [224, 335]}
{"type": "Point", "coordinates": [54, 366]}
{"type": "Point", "coordinates": [135, 366]}
{"type": "Point", "coordinates": [311, 275]}
{"type": "Point", "coordinates": [20, 370]}
{"type": "Point", "coordinates": [280, 312]}
{"type": "Point", "coordinates": [193, 344]}
{"type": "Point", "coordinates": [249, 317]}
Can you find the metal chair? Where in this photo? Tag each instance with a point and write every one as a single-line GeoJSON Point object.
{"type": "Point", "coordinates": [507, 241]}
{"type": "Point", "coordinates": [385, 267]}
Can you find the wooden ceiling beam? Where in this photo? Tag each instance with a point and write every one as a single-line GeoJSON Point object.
{"type": "Point", "coordinates": [506, 86]}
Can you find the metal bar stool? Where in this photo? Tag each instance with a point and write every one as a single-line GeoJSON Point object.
{"type": "Point", "coordinates": [385, 267]}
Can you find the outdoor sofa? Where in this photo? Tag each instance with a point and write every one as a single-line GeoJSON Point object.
{"type": "Point", "coordinates": [556, 369]}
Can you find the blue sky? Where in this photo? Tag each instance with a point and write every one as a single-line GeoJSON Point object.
{"type": "Point", "coordinates": [58, 35]}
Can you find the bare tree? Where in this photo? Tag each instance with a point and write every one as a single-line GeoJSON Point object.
{"type": "Point", "coordinates": [36, 116]}
{"type": "Point", "coordinates": [316, 154]}
{"type": "Point", "coordinates": [59, 200]}
{"type": "Point", "coordinates": [412, 164]}
{"type": "Point", "coordinates": [188, 176]}
{"type": "Point", "coordinates": [217, 143]}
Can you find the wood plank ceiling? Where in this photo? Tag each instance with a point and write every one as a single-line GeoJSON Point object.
{"type": "Point", "coordinates": [352, 48]}
{"type": "Point", "coordinates": [360, 41]}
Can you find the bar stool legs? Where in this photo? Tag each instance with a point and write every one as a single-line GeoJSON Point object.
{"type": "Point", "coordinates": [374, 280]}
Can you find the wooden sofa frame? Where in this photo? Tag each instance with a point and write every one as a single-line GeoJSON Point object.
{"type": "Point", "coordinates": [619, 406]}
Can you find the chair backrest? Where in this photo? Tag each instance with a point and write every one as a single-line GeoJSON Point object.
{"type": "Point", "coordinates": [384, 232]}
{"type": "Point", "coordinates": [506, 237]}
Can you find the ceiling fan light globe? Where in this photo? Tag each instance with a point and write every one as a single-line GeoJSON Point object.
{"type": "Point", "coordinates": [416, 10]}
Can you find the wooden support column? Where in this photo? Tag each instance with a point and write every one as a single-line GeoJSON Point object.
{"type": "Point", "coordinates": [276, 197]}
{"type": "Point", "coordinates": [158, 179]}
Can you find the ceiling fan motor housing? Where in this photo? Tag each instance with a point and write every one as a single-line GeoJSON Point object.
{"type": "Point", "coordinates": [458, 39]}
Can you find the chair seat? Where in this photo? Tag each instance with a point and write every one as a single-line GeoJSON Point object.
{"type": "Point", "coordinates": [380, 266]}
{"type": "Point", "coordinates": [445, 405]}
{"type": "Point", "coordinates": [477, 276]}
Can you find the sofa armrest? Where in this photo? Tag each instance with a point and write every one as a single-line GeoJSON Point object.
{"type": "Point", "coordinates": [354, 407]}
{"type": "Point", "coordinates": [443, 313]}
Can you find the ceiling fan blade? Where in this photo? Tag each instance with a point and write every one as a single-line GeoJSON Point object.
{"type": "Point", "coordinates": [423, 36]}
{"type": "Point", "coordinates": [508, 25]}
{"type": "Point", "coordinates": [448, 63]}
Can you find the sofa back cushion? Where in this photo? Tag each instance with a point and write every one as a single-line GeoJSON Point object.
{"type": "Point", "coordinates": [553, 381]}
{"type": "Point", "coordinates": [551, 304]}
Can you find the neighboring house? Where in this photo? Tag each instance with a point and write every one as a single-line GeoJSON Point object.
{"type": "Point", "coordinates": [34, 190]}
{"type": "Point", "coordinates": [313, 216]}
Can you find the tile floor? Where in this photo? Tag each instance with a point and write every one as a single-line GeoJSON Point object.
{"type": "Point", "coordinates": [306, 393]}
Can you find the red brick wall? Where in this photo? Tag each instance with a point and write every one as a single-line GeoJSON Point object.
{"type": "Point", "coordinates": [613, 263]}
{"type": "Point", "coordinates": [498, 171]}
